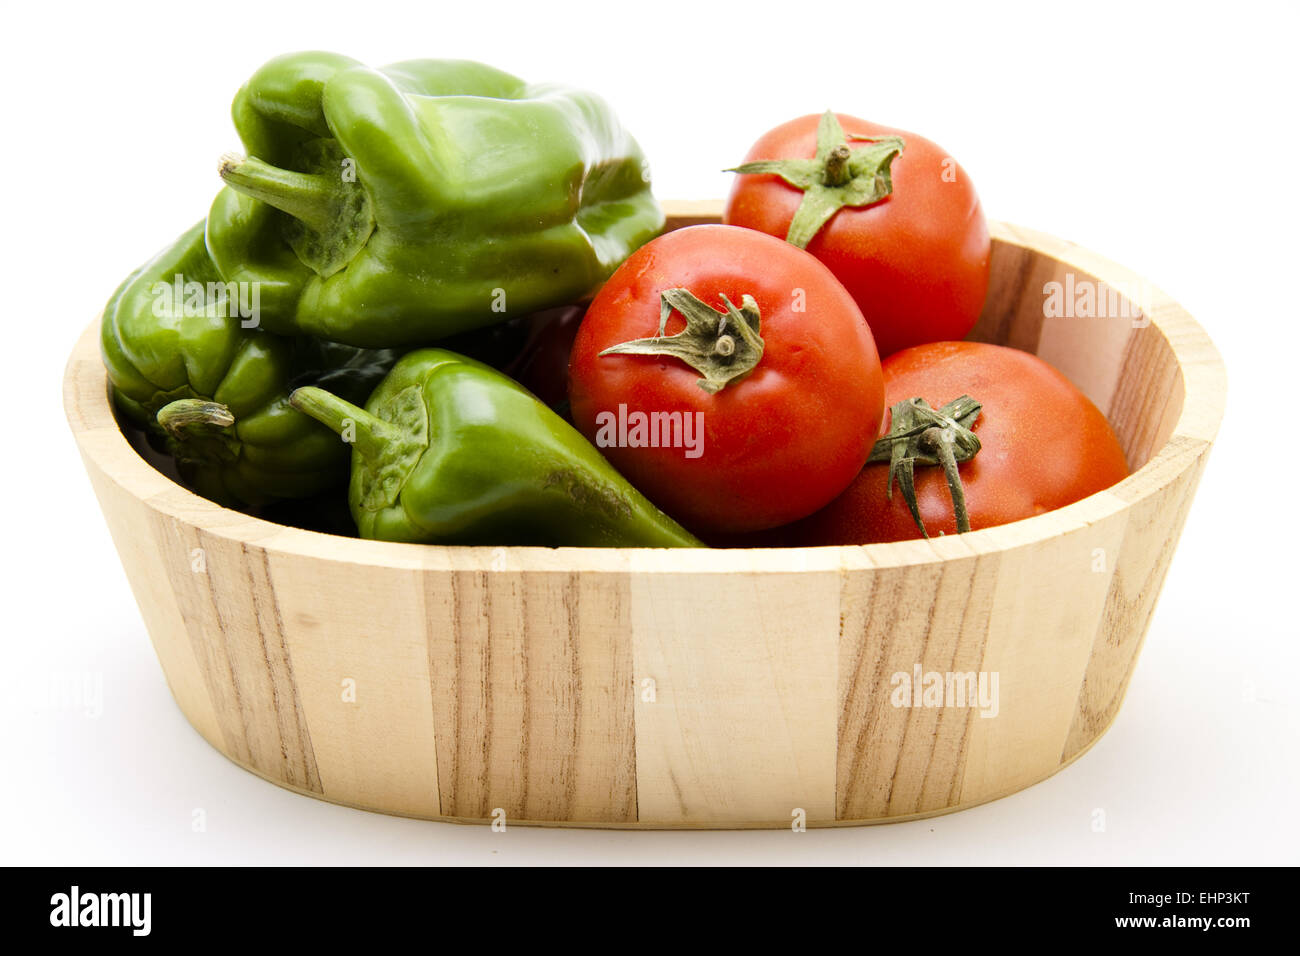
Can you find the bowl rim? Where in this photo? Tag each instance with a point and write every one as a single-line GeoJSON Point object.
{"type": "Point", "coordinates": [104, 447]}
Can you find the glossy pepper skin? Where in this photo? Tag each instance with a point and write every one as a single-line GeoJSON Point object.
{"type": "Point", "coordinates": [214, 389]}
{"type": "Point", "coordinates": [398, 206]}
{"type": "Point", "coordinates": [450, 451]}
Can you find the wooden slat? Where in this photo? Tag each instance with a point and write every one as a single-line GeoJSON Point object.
{"type": "Point", "coordinates": [363, 680]}
{"type": "Point", "coordinates": [742, 726]}
{"type": "Point", "coordinates": [900, 760]}
{"type": "Point", "coordinates": [1151, 531]}
{"type": "Point", "coordinates": [531, 679]}
{"type": "Point", "coordinates": [1045, 604]}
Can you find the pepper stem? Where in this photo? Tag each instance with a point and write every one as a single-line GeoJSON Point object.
{"type": "Point", "coordinates": [365, 432]}
{"type": "Point", "coordinates": [199, 430]}
{"type": "Point", "coordinates": [919, 434]}
{"type": "Point", "coordinates": [189, 414]}
{"type": "Point", "coordinates": [305, 196]}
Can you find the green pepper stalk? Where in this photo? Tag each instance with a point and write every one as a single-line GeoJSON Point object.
{"type": "Point", "coordinates": [404, 205]}
{"type": "Point", "coordinates": [214, 389]}
{"type": "Point", "coordinates": [450, 451]}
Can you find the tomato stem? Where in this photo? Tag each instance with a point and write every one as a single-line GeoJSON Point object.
{"type": "Point", "coordinates": [838, 176]}
{"type": "Point", "coordinates": [919, 434]}
{"type": "Point", "coordinates": [837, 166]}
{"type": "Point", "coordinates": [939, 441]}
{"type": "Point", "coordinates": [721, 346]}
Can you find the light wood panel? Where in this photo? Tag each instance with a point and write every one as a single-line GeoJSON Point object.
{"type": "Point", "coordinates": [895, 760]}
{"type": "Point", "coordinates": [362, 676]}
{"type": "Point", "coordinates": [1045, 606]}
{"type": "Point", "coordinates": [532, 691]}
{"type": "Point", "coordinates": [740, 725]}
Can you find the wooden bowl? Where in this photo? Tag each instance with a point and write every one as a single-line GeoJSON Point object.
{"type": "Point", "coordinates": [580, 686]}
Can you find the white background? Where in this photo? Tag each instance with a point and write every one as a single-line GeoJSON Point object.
{"type": "Point", "coordinates": [1164, 137]}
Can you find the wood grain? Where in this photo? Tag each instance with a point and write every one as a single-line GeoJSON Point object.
{"type": "Point", "coordinates": [740, 725]}
{"type": "Point", "coordinates": [362, 667]}
{"type": "Point", "coordinates": [532, 679]}
{"type": "Point", "coordinates": [467, 683]}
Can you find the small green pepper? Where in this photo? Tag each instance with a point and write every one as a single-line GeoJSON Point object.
{"type": "Point", "coordinates": [187, 362]}
{"type": "Point", "coordinates": [403, 205]}
{"type": "Point", "coordinates": [450, 451]}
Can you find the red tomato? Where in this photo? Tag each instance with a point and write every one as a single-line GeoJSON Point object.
{"type": "Point", "coordinates": [916, 262]}
{"type": "Point", "coordinates": [778, 443]}
{"type": "Point", "coordinates": [1044, 446]}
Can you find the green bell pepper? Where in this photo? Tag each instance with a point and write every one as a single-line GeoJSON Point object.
{"type": "Point", "coordinates": [450, 451]}
{"type": "Point", "coordinates": [186, 361]}
{"type": "Point", "coordinates": [402, 205]}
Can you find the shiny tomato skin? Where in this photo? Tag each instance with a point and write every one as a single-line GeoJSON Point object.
{"type": "Point", "coordinates": [917, 262]}
{"type": "Point", "coordinates": [779, 443]}
{"type": "Point", "coordinates": [1044, 446]}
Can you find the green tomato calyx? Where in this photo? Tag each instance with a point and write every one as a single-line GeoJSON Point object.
{"type": "Point", "coordinates": [919, 434]}
{"type": "Point", "coordinates": [838, 176]}
{"type": "Point", "coordinates": [721, 346]}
